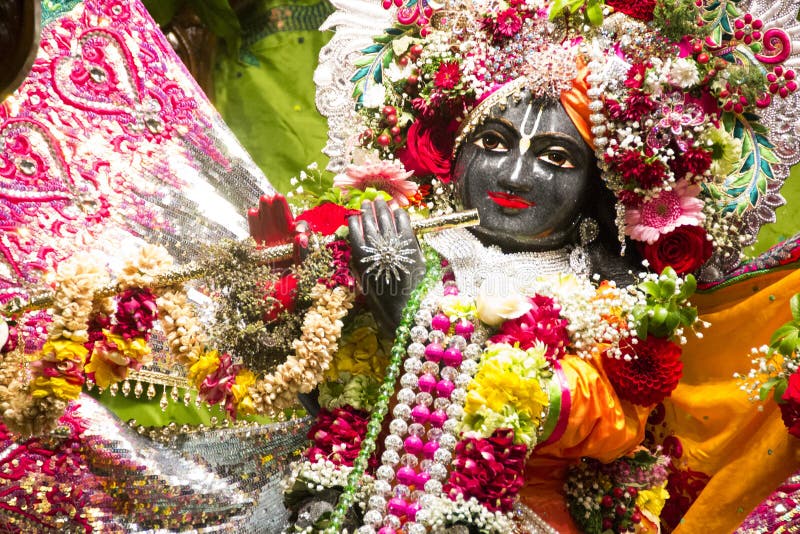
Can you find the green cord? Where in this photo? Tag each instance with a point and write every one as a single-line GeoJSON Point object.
{"type": "Point", "coordinates": [433, 274]}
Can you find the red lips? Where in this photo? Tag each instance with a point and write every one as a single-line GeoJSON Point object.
{"type": "Point", "coordinates": [507, 200]}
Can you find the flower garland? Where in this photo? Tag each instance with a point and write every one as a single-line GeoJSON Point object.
{"type": "Point", "coordinates": [620, 496]}
{"type": "Point", "coordinates": [466, 417]}
{"type": "Point", "coordinates": [218, 380]}
{"type": "Point", "coordinates": [33, 406]}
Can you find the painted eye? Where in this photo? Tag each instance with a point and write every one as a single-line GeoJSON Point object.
{"type": "Point", "coordinates": [557, 158]}
{"type": "Point", "coordinates": [491, 141]}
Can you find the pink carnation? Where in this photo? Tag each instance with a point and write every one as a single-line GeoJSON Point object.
{"type": "Point", "coordinates": [542, 323]}
{"type": "Point", "coordinates": [216, 387]}
{"type": "Point", "coordinates": [662, 214]}
{"type": "Point", "coordinates": [386, 176]}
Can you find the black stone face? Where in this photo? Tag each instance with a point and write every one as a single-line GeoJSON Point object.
{"type": "Point", "coordinates": [529, 174]}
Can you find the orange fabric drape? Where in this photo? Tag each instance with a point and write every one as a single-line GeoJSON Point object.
{"type": "Point", "coordinates": [576, 103]}
{"type": "Point", "coordinates": [600, 425]}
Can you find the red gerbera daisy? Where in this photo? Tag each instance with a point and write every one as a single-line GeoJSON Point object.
{"type": "Point", "coordinates": [508, 23]}
{"type": "Point", "coordinates": [647, 372]}
{"type": "Point", "coordinates": [448, 75]}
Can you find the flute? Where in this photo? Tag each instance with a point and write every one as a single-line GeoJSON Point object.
{"type": "Point", "coordinates": [195, 270]}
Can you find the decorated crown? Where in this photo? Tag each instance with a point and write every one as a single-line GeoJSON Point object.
{"type": "Point", "coordinates": [689, 105]}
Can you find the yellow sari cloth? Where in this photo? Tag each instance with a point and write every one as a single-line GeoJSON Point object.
{"type": "Point", "coordinates": [746, 452]}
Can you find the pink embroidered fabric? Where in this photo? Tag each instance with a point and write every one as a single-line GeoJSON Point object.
{"type": "Point", "coordinates": [110, 141]}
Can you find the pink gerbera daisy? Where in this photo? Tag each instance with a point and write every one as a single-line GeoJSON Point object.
{"type": "Point", "coordinates": [665, 212]}
{"type": "Point", "coordinates": [383, 175]}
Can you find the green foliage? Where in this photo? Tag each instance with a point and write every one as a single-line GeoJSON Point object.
{"type": "Point", "coordinates": [665, 308]}
{"type": "Point", "coordinates": [163, 10]}
{"type": "Point", "coordinates": [677, 18]}
{"type": "Point", "coordinates": [749, 79]}
{"type": "Point", "coordinates": [786, 342]}
{"type": "Point", "coordinates": [592, 10]}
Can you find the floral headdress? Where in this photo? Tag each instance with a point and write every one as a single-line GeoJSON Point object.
{"type": "Point", "coordinates": [689, 105]}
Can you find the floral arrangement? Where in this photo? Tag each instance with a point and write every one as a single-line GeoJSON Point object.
{"type": "Point", "coordinates": [673, 113]}
{"type": "Point", "coordinates": [776, 372]}
{"type": "Point", "coordinates": [482, 388]}
{"type": "Point", "coordinates": [618, 497]}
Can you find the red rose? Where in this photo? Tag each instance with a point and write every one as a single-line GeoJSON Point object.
{"type": "Point", "coordinates": [684, 249]}
{"type": "Point", "coordinates": [790, 407]}
{"type": "Point", "coordinates": [281, 296]}
{"type": "Point", "coordinates": [428, 150]}
{"type": "Point", "coordinates": [639, 9]}
{"type": "Point", "coordinates": [326, 218]}
{"type": "Point", "coordinates": [651, 372]}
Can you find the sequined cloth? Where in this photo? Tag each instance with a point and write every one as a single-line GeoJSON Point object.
{"type": "Point", "coordinates": [110, 142]}
{"type": "Point", "coordinates": [95, 474]}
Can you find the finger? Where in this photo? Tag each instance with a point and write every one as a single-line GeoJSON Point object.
{"type": "Point", "coordinates": [278, 219]}
{"type": "Point", "coordinates": [403, 223]}
{"type": "Point", "coordinates": [385, 219]}
{"type": "Point", "coordinates": [254, 224]}
{"type": "Point", "coordinates": [369, 222]}
{"type": "Point", "coordinates": [356, 235]}
{"type": "Point", "coordinates": [300, 247]}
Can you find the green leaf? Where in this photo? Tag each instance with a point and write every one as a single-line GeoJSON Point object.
{"type": "Point", "coordinates": [219, 17]}
{"type": "Point", "coordinates": [660, 314]}
{"type": "Point", "coordinates": [688, 316]}
{"type": "Point", "coordinates": [768, 385]}
{"type": "Point", "coordinates": [649, 287]}
{"type": "Point", "coordinates": [794, 303]}
{"type": "Point", "coordinates": [667, 288]}
{"type": "Point", "coordinates": [673, 319]}
{"type": "Point", "coordinates": [788, 344]}
{"type": "Point", "coordinates": [642, 326]}
{"type": "Point", "coordinates": [688, 288]}
{"type": "Point", "coordinates": [780, 389]}
{"type": "Point", "coordinates": [781, 333]}
{"type": "Point", "coordinates": [163, 10]}
{"type": "Point", "coordinates": [594, 12]}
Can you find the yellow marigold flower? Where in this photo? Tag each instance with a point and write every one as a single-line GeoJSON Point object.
{"type": "Point", "coordinates": [360, 353]}
{"type": "Point", "coordinates": [507, 392]}
{"type": "Point", "coordinates": [64, 349]}
{"type": "Point", "coordinates": [244, 402]}
{"type": "Point", "coordinates": [652, 501]}
{"type": "Point", "coordinates": [135, 349]}
{"type": "Point", "coordinates": [45, 386]}
{"type": "Point", "coordinates": [104, 374]}
{"type": "Point", "coordinates": [206, 364]}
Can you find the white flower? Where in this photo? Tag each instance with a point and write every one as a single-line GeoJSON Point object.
{"type": "Point", "coordinates": [395, 72]}
{"type": "Point", "coordinates": [684, 73]}
{"type": "Point", "coordinates": [374, 96]}
{"type": "Point", "coordinates": [498, 300]}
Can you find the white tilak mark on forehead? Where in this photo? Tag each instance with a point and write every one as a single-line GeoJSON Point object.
{"type": "Point", "coordinates": [525, 139]}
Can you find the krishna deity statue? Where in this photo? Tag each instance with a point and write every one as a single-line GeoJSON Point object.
{"type": "Point", "coordinates": [548, 368]}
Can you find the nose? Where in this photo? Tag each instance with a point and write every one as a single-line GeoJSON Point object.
{"type": "Point", "coordinates": [522, 177]}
